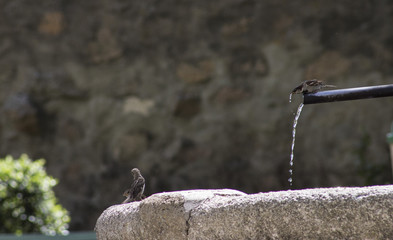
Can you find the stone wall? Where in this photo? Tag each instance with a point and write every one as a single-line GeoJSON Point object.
{"type": "Point", "coordinates": [195, 94]}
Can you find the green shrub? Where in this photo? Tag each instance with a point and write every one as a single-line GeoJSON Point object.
{"type": "Point", "coordinates": [27, 201]}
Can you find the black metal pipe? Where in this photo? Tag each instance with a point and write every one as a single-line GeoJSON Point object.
{"type": "Point", "coordinates": [348, 94]}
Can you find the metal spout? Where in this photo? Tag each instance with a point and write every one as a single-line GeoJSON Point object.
{"type": "Point", "coordinates": [347, 94]}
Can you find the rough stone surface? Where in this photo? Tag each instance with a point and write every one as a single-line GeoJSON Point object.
{"type": "Point", "coordinates": [161, 216]}
{"type": "Point", "coordinates": [193, 93]}
{"type": "Point", "coordinates": [324, 213]}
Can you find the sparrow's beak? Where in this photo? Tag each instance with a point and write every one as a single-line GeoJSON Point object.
{"type": "Point", "coordinates": [297, 89]}
{"type": "Point", "coordinates": [127, 192]}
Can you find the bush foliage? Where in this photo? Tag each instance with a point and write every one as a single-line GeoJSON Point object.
{"type": "Point", "coordinates": [27, 201]}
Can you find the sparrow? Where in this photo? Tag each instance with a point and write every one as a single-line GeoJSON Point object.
{"type": "Point", "coordinates": [310, 86]}
{"type": "Point", "coordinates": [135, 192]}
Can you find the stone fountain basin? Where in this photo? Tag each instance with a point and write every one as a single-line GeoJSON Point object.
{"type": "Point", "coordinates": [323, 213]}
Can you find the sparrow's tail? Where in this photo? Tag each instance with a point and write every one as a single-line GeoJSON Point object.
{"type": "Point", "coordinates": [127, 200]}
{"type": "Point", "coordinates": [329, 86]}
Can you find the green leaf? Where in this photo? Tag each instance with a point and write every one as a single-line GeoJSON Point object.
{"type": "Point", "coordinates": [27, 201]}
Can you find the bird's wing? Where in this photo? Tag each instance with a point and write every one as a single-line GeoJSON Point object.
{"type": "Point", "coordinates": [313, 82]}
{"type": "Point", "coordinates": [137, 186]}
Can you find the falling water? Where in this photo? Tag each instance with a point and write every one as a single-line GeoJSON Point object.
{"type": "Point", "coordinates": [299, 110]}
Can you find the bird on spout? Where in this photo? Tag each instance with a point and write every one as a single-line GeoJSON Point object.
{"type": "Point", "coordinates": [310, 86]}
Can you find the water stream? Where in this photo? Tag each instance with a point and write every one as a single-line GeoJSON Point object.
{"type": "Point", "coordinates": [299, 110]}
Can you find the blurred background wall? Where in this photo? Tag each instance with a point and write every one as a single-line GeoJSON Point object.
{"type": "Point", "coordinates": [193, 93]}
